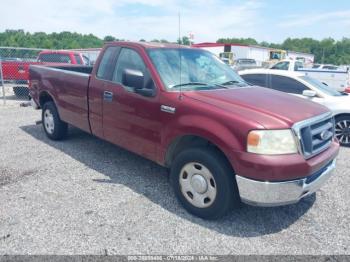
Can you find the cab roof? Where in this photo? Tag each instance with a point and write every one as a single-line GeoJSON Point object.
{"type": "Point", "coordinates": [149, 45]}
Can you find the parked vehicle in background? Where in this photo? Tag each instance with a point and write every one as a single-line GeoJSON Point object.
{"type": "Point", "coordinates": [336, 79]}
{"type": "Point", "coordinates": [89, 54]}
{"type": "Point", "coordinates": [243, 63]}
{"type": "Point", "coordinates": [264, 56]}
{"type": "Point", "coordinates": [223, 140]}
{"type": "Point", "coordinates": [60, 57]}
{"type": "Point", "coordinates": [327, 67]}
{"type": "Point", "coordinates": [288, 65]}
{"type": "Point", "coordinates": [17, 71]}
{"type": "Point", "coordinates": [344, 68]}
{"type": "Point", "coordinates": [275, 56]}
{"type": "Point", "coordinates": [227, 57]}
{"type": "Point", "coordinates": [299, 84]}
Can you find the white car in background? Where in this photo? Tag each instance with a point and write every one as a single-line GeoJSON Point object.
{"type": "Point", "coordinates": [297, 83]}
{"type": "Point", "coordinates": [328, 67]}
{"type": "Point", "coordinates": [244, 63]}
{"type": "Point", "coordinates": [337, 79]}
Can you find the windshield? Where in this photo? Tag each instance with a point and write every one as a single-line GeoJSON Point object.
{"type": "Point", "coordinates": [322, 87]}
{"type": "Point", "coordinates": [200, 70]}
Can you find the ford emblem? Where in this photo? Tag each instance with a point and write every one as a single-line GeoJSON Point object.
{"type": "Point", "coordinates": [325, 135]}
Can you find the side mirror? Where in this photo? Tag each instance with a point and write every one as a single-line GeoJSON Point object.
{"type": "Point", "coordinates": [309, 93]}
{"type": "Point", "coordinates": [142, 84]}
{"type": "Point", "coordinates": [133, 78]}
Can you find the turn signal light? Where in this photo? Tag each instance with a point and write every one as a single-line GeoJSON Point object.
{"type": "Point", "coordinates": [253, 139]}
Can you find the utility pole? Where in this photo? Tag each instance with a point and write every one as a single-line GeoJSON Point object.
{"type": "Point", "coordinates": [323, 55]}
{"type": "Point", "coordinates": [2, 83]}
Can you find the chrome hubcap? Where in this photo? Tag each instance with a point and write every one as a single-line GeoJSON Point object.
{"type": "Point", "coordinates": [342, 131]}
{"type": "Point", "coordinates": [49, 123]}
{"type": "Point", "coordinates": [197, 185]}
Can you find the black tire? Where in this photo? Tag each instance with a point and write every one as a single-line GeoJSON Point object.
{"type": "Point", "coordinates": [60, 128]}
{"type": "Point", "coordinates": [342, 130]}
{"type": "Point", "coordinates": [227, 195]}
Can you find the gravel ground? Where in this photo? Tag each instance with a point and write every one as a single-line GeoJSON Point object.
{"type": "Point", "coordinates": [86, 196]}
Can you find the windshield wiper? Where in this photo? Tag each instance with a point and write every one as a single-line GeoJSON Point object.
{"type": "Point", "coordinates": [190, 84]}
{"type": "Point", "coordinates": [198, 84]}
{"type": "Point", "coordinates": [232, 82]}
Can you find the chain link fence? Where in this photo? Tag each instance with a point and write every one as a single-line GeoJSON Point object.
{"type": "Point", "coordinates": [14, 74]}
{"type": "Point", "coordinates": [15, 63]}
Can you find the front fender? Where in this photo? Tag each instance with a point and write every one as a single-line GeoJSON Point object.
{"type": "Point", "coordinates": [210, 129]}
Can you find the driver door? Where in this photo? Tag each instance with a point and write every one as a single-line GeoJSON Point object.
{"type": "Point", "coordinates": [131, 120]}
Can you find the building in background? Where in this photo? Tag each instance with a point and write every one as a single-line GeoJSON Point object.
{"type": "Point", "coordinates": [263, 56]}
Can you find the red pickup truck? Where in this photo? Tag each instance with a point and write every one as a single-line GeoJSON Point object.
{"type": "Point", "coordinates": [18, 71]}
{"type": "Point", "coordinates": [223, 140]}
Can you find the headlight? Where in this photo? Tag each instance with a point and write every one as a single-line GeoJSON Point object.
{"type": "Point", "coordinates": [271, 142]}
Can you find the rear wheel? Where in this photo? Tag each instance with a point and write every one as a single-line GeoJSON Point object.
{"type": "Point", "coordinates": [204, 182]}
{"type": "Point", "coordinates": [342, 130]}
{"type": "Point", "coordinates": [54, 127]}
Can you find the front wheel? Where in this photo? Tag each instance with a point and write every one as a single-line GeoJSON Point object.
{"type": "Point", "coordinates": [342, 130]}
{"type": "Point", "coordinates": [204, 182]}
{"type": "Point", "coordinates": [54, 127]}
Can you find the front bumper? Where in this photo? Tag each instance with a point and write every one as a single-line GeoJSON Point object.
{"type": "Point", "coordinates": [264, 193]}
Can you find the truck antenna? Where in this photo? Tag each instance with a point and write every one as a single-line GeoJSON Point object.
{"type": "Point", "coordinates": [179, 51]}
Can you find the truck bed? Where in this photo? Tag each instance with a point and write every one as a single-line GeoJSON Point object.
{"type": "Point", "coordinates": [69, 86]}
{"type": "Point", "coordinates": [337, 79]}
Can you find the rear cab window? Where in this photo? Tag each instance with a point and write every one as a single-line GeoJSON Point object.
{"type": "Point", "coordinates": [281, 66]}
{"type": "Point", "coordinates": [55, 58]}
{"type": "Point", "coordinates": [78, 59]}
{"type": "Point", "coordinates": [298, 65]}
{"type": "Point", "coordinates": [106, 66]}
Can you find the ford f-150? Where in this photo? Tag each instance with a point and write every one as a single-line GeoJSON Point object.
{"type": "Point", "coordinates": [223, 140]}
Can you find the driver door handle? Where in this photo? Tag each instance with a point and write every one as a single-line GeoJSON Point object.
{"type": "Point", "coordinates": [107, 96]}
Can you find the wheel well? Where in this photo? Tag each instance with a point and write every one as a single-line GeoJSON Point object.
{"type": "Point", "coordinates": [43, 98]}
{"type": "Point", "coordinates": [188, 141]}
{"type": "Point", "coordinates": [342, 115]}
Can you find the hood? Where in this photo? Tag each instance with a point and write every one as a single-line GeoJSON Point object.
{"type": "Point", "coordinates": [269, 108]}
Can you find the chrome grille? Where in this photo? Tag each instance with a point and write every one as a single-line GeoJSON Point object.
{"type": "Point", "coordinates": [315, 135]}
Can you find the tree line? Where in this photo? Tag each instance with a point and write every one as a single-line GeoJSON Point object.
{"type": "Point", "coordinates": [327, 50]}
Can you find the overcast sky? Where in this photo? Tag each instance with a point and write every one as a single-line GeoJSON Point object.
{"type": "Point", "coordinates": [269, 20]}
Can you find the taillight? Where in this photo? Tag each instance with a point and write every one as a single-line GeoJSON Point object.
{"type": "Point", "coordinates": [347, 90]}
